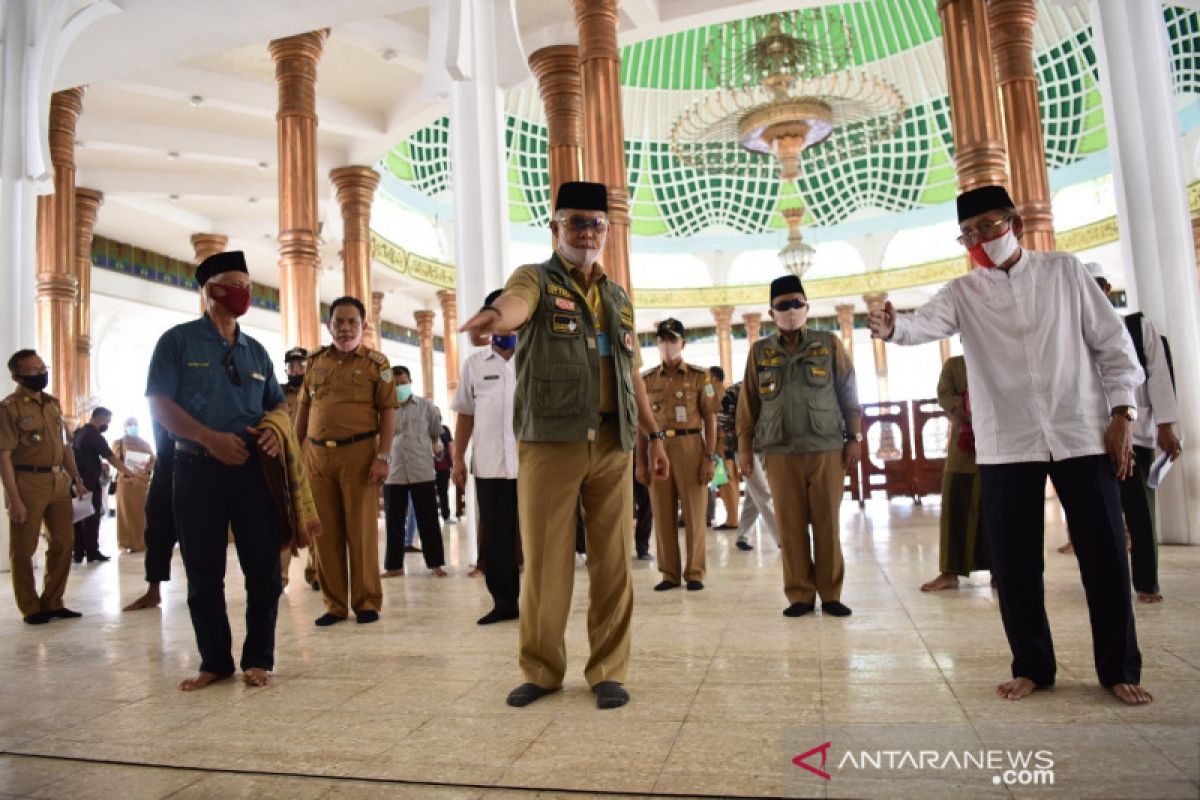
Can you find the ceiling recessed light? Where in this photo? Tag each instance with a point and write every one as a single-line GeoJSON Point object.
{"type": "Point", "coordinates": [268, 236]}
{"type": "Point", "coordinates": [263, 165]}
{"type": "Point", "coordinates": [173, 155]}
{"type": "Point", "coordinates": [173, 197]}
{"type": "Point", "coordinates": [79, 143]}
{"type": "Point", "coordinates": [251, 199]}
{"type": "Point", "coordinates": [195, 101]}
{"type": "Point", "coordinates": [389, 55]}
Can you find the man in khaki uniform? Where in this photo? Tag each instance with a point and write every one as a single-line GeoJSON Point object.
{"type": "Point", "coordinates": [684, 402]}
{"type": "Point", "coordinates": [577, 409]}
{"type": "Point", "coordinates": [799, 405]}
{"type": "Point", "coordinates": [346, 413]}
{"type": "Point", "coordinates": [296, 363]}
{"type": "Point", "coordinates": [37, 467]}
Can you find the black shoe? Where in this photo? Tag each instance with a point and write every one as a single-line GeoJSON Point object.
{"type": "Point", "coordinates": [112, 513]}
{"type": "Point", "coordinates": [527, 693]}
{"type": "Point", "coordinates": [798, 609]}
{"type": "Point", "coordinates": [835, 608]}
{"type": "Point", "coordinates": [744, 545]}
{"type": "Point", "coordinates": [408, 548]}
{"type": "Point", "coordinates": [610, 694]}
{"type": "Point", "coordinates": [644, 557]}
{"type": "Point", "coordinates": [695, 586]}
{"type": "Point", "coordinates": [365, 617]}
{"type": "Point", "coordinates": [325, 620]}
{"type": "Point", "coordinates": [97, 556]}
{"type": "Point", "coordinates": [498, 615]}
{"type": "Point", "coordinates": [665, 585]}
{"type": "Point", "coordinates": [724, 527]}
{"type": "Point", "coordinates": [77, 558]}
{"type": "Point", "coordinates": [64, 613]}
{"type": "Point", "coordinates": [40, 618]}
{"type": "Point", "coordinates": [316, 586]}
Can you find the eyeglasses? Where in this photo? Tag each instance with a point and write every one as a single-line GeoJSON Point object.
{"type": "Point", "coordinates": [982, 233]}
{"type": "Point", "coordinates": [788, 305]}
{"type": "Point", "coordinates": [579, 223]}
{"type": "Point", "coordinates": [231, 370]}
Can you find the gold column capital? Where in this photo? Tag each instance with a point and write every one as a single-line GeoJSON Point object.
{"type": "Point", "coordinates": [208, 244]}
{"type": "Point", "coordinates": [424, 320]}
{"type": "Point", "coordinates": [87, 203]}
{"type": "Point", "coordinates": [449, 301]}
{"type": "Point", "coordinates": [296, 59]}
{"type": "Point", "coordinates": [874, 301]}
{"type": "Point", "coordinates": [597, 22]}
{"type": "Point", "coordinates": [560, 85]}
{"type": "Point", "coordinates": [65, 108]}
{"type": "Point", "coordinates": [722, 315]}
{"type": "Point", "coordinates": [355, 183]}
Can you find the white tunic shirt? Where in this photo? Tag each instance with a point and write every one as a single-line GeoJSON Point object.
{"type": "Point", "coordinates": [418, 423]}
{"type": "Point", "coordinates": [485, 391]}
{"type": "Point", "coordinates": [1156, 397]}
{"type": "Point", "coordinates": [1047, 354]}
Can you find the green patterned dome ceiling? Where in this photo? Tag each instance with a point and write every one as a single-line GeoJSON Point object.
{"type": "Point", "coordinates": [896, 39]}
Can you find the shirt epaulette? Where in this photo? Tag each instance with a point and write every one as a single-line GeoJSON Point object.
{"type": "Point", "coordinates": [649, 372]}
{"type": "Point", "coordinates": [694, 368]}
{"type": "Point", "coordinates": [318, 352]}
{"type": "Point", "coordinates": [377, 357]}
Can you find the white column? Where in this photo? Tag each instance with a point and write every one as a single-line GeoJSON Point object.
{"type": "Point", "coordinates": [34, 36]}
{"type": "Point", "coordinates": [1156, 231]}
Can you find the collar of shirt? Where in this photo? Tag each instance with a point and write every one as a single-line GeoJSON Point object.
{"type": "Point", "coordinates": [598, 273]}
{"type": "Point", "coordinates": [681, 369]}
{"type": "Point", "coordinates": [1019, 267]}
{"type": "Point", "coordinates": [239, 338]}
{"type": "Point", "coordinates": [491, 354]}
{"type": "Point", "coordinates": [29, 394]}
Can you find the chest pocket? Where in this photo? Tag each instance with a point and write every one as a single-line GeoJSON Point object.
{"type": "Point", "coordinates": [817, 366]}
{"type": "Point", "coordinates": [769, 382]}
{"type": "Point", "coordinates": [33, 429]}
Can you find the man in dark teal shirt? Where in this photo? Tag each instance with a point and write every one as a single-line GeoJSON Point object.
{"type": "Point", "coordinates": [209, 386]}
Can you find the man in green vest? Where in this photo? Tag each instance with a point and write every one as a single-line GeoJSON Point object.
{"type": "Point", "coordinates": [799, 407]}
{"type": "Point", "coordinates": [579, 405]}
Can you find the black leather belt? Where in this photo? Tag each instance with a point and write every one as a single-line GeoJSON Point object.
{"type": "Point", "coordinates": [343, 442]}
{"type": "Point", "coordinates": [673, 432]}
{"type": "Point", "coordinates": [38, 470]}
{"type": "Point", "coordinates": [190, 448]}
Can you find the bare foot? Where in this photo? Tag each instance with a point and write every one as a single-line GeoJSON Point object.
{"type": "Point", "coordinates": [201, 680]}
{"type": "Point", "coordinates": [150, 599]}
{"type": "Point", "coordinates": [943, 581]}
{"type": "Point", "coordinates": [438, 572]}
{"type": "Point", "coordinates": [256, 676]}
{"type": "Point", "coordinates": [1128, 542]}
{"type": "Point", "coordinates": [1067, 548]}
{"type": "Point", "coordinates": [1147, 597]}
{"type": "Point", "coordinates": [1131, 694]}
{"type": "Point", "coordinates": [475, 572]}
{"type": "Point", "coordinates": [994, 582]}
{"type": "Point", "coordinates": [391, 573]}
{"type": "Point", "coordinates": [1016, 689]}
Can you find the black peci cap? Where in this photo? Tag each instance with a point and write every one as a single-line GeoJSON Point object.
{"type": "Point", "coordinates": [229, 261]}
{"type": "Point", "coordinates": [582, 196]}
{"type": "Point", "coordinates": [786, 284]}
{"type": "Point", "coordinates": [981, 200]}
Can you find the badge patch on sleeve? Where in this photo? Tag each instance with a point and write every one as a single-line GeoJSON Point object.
{"type": "Point", "coordinates": [628, 342]}
{"type": "Point", "coordinates": [709, 391]}
{"type": "Point", "coordinates": [385, 375]}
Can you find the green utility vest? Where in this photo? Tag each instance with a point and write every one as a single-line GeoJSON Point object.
{"type": "Point", "coordinates": [799, 411]}
{"type": "Point", "coordinates": [558, 362]}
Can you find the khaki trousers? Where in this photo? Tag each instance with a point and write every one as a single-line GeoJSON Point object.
{"type": "Point", "coordinates": [348, 506]}
{"type": "Point", "coordinates": [730, 493]}
{"type": "Point", "coordinates": [686, 454]}
{"type": "Point", "coordinates": [553, 477]}
{"type": "Point", "coordinates": [807, 489]}
{"type": "Point", "coordinates": [47, 499]}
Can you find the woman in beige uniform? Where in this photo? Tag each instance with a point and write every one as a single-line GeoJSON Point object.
{"type": "Point", "coordinates": [131, 494]}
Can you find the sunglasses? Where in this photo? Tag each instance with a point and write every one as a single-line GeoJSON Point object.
{"type": "Point", "coordinates": [231, 370]}
{"type": "Point", "coordinates": [983, 232]}
{"type": "Point", "coordinates": [788, 305]}
{"type": "Point", "coordinates": [579, 223]}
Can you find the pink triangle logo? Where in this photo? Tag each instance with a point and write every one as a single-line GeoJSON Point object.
{"type": "Point", "coordinates": [824, 751]}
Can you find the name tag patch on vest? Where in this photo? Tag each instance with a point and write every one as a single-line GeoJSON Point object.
{"type": "Point", "coordinates": [558, 291]}
{"type": "Point", "coordinates": [818, 372]}
{"type": "Point", "coordinates": [564, 304]}
{"type": "Point", "coordinates": [770, 358]}
{"type": "Point", "coordinates": [258, 376]}
{"type": "Point", "coordinates": [563, 324]}
{"type": "Point", "coordinates": [491, 377]}
{"type": "Point", "coordinates": [197, 363]}
{"type": "Point", "coordinates": [818, 351]}
{"type": "Point", "coordinates": [603, 346]}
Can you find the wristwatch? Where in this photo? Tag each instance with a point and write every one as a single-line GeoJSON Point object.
{"type": "Point", "coordinates": [713, 457]}
{"type": "Point", "coordinates": [853, 437]}
{"type": "Point", "coordinates": [662, 435]}
{"type": "Point", "coordinates": [1128, 412]}
{"type": "Point", "coordinates": [384, 457]}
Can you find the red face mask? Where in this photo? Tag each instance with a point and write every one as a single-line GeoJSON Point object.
{"type": "Point", "coordinates": [233, 299]}
{"type": "Point", "coordinates": [994, 251]}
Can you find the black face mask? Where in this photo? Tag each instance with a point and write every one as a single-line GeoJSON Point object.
{"type": "Point", "coordinates": [34, 383]}
{"type": "Point", "coordinates": [102, 428]}
{"type": "Point", "coordinates": [295, 381]}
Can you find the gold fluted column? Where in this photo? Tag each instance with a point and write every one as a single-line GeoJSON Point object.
{"type": "Point", "coordinates": [449, 301]}
{"type": "Point", "coordinates": [944, 349]}
{"type": "Point", "coordinates": [425, 332]}
{"type": "Point", "coordinates": [974, 103]}
{"type": "Point", "coordinates": [57, 284]}
{"type": "Point", "coordinates": [845, 316]}
{"type": "Point", "coordinates": [875, 303]}
{"type": "Point", "coordinates": [603, 127]}
{"type": "Point", "coordinates": [723, 316]}
{"type": "Point", "coordinates": [1010, 24]}
{"type": "Point", "coordinates": [753, 322]}
{"type": "Point", "coordinates": [296, 60]}
{"type": "Point", "coordinates": [376, 322]}
{"type": "Point", "coordinates": [355, 192]}
{"type": "Point", "coordinates": [87, 207]}
{"type": "Point", "coordinates": [560, 86]}
{"type": "Point", "coordinates": [209, 244]}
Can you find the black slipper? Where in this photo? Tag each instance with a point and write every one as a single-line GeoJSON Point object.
{"type": "Point", "coordinates": [610, 694]}
{"type": "Point", "coordinates": [325, 620]}
{"type": "Point", "coordinates": [798, 609]}
{"type": "Point", "coordinates": [527, 693]}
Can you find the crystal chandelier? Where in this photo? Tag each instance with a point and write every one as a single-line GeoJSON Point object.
{"type": "Point", "coordinates": [797, 255]}
{"type": "Point", "coordinates": [785, 89]}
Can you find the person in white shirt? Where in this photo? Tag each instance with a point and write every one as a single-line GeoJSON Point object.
{"type": "Point", "coordinates": [1157, 413]}
{"type": "Point", "coordinates": [1053, 380]}
{"type": "Point", "coordinates": [484, 405]}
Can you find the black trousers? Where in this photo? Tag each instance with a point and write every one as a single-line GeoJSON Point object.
{"type": "Point", "coordinates": [443, 492]}
{"type": "Point", "coordinates": [208, 498]}
{"type": "Point", "coordinates": [395, 508]}
{"type": "Point", "coordinates": [160, 526]}
{"type": "Point", "coordinates": [643, 518]}
{"type": "Point", "coordinates": [1013, 510]}
{"type": "Point", "coordinates": [501, 530]}
{"type": "Point", "coordinates": [87, 531]}
{"type": "Point", "coordinates": [1138, 501]}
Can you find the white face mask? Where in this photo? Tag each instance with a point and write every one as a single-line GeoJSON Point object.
{"type": "Point", "coordinates": [669, 351]}
{"type": "Point", "coordinates": [583, 257]}
{"type": "Point", "coordinates": [792, 320]}
{"type": "Point", "coordinates": [995, 252]}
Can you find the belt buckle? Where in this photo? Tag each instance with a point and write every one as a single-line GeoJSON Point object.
{"type": "Point", "coordinates": [330, 443]}
{"type": "Point", "coordinates": [671, 433]}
